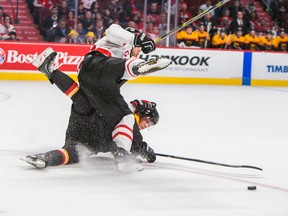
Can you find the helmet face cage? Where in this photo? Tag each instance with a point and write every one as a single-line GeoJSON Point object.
{"type": "Point", "coordinates": [151, 114]}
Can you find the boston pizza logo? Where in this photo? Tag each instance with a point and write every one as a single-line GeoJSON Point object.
{"type": "Point", "coordinates": [2, 56]}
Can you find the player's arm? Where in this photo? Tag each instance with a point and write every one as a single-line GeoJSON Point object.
{"type": "Point", "coordinates": [276, 43]}
{"type": "Point", "coordinates": [139, 147]}
{"type": "Point", "coordinates": [262, 43]}
{"type": "Point", "coordinates": [146, 152]}
{"type": "Point", "coordinates": [215, 42]}
{"type": "Point", "coordinates": [122, 134]}
{"type": "Point", "coordinates": [116, 34]}
{"type": "Point", "coordinates": [126, 134]}
{"type": "Point", "coordinates": [179, 37]}
{"type": "Point", "coordinates": [128, 139]}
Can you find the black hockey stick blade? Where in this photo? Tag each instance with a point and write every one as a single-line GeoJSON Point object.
{"type": "Point", "coordinates": [209, 162]}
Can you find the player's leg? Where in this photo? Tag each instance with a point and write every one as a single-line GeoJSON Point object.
{"type": "Point", "coordinates": [99, 71]}
{"type": "Point", "coordinates": [70, 88]}
{"type": "Point", "coordinates": [69, 154]}
{"type": "Point", "coordinates": [53, 158]}
{"type": "Point", "coordinates": [133, 67]}
{"type": "Point", "coordinates": [99, 79]}
{"type": "Point", "coordinates": [45, 64]}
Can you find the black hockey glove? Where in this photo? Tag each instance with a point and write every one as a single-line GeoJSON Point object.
{"type": "Point", "coordinates": [121, 155]}
{"type": "Point", "coordinates": [145, 42]}
{"type": "Point", "coordinates": [147, 153]}
{"type": "Point", "coordinates": [126, 162]}
{"type": "Point", "coordinates": [142, 105]}
{"type": "Point", "coordinates": [118, 153]}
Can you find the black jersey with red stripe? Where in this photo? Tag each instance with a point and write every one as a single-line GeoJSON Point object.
{"type": "Point", "coordinates": [99, 79]}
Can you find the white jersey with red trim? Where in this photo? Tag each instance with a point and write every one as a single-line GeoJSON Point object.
{"type": "Point", "coordinates": [122, 134]}
{"type": "Point", "coordinates": [116, 43]}
{"type": "Point", "coordinates": [129, 64]}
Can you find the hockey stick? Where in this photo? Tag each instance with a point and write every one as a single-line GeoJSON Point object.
{"type": "Point", "coordinates": [208, 30]}
{"type": "Point", "coordinates": [208, 162]}
{"type": "Point", "coordinates": [228, 38]}
{"type": "Point", "coordinates": [193, 19]}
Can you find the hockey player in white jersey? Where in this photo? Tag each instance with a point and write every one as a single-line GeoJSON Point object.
{"type": "Point", "coordinates": [100, 118]}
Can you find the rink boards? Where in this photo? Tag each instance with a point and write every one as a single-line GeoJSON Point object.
{"type": "Point", "coordinates": [189, 66]}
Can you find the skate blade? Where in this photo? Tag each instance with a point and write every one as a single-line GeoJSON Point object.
{"type": "Point", "coordinates": [39, 164]}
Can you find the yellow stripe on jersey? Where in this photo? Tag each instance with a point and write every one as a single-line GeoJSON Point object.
{"type": "Point", "coordinates": [219, 42]}
{"type": "Point", "coordinates": [137, 118]}
{"type": "Point", "coordinates": [267, 44]}
{"type": "Point", "coordinates": [281, 43]}
{"type": "Point", "coordinates": [236, 42]}
{"type": "Point", "coordinates": [251, 42]}
{"type": "Point", "coordinates": [202, 37]}
{"type": "Point", "coordinates": [187, 39]}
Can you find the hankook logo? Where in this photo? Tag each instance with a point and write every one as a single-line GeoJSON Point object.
{"type": "Point", "coordinates": [182, 60]}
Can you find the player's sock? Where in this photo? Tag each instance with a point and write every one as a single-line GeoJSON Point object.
{"type": "Point", "coordinates": [65, 83]}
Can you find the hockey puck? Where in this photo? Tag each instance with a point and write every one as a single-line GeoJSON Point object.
{"type": "Point", "coordinates": [251, 187]}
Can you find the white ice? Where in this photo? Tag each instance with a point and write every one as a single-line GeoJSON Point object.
{"type": "Point", "coordinates": [227, 124]}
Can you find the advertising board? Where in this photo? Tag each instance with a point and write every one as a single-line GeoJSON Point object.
{"type": "Point", "coordinates": [269, 69]}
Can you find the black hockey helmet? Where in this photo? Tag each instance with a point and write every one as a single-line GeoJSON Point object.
{"type": "Point", "coordinates": [152, 114]}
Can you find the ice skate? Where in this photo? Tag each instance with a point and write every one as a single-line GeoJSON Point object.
{"type": "Point", "coordinates": [153, 65]}
{"type": "Point", "coordinates": [45, 62]}
{"type": "Point", "coordinates": [37, 161]}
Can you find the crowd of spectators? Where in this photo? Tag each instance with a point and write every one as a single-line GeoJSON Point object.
{"type": "Point", "coordinates": [238, 41]}
{"type": "Point", "coordinates": [57, 20]}
{"type": "Point", "coordinates": [7, 30]}
{"type": "Point", "coordinates": [232, 26]}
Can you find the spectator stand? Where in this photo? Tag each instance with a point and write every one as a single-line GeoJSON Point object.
{"type": "Point", "coordinates": [21, 20]}
{"type": "Point", "coordinates": [154, 17]}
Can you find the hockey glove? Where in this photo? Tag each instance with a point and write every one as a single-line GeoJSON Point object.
{"type": "Point", "coordinates": [142, 105]}
{"type": "Point", "coordinates": [125, 161]}
{"type": "Point", "coordinates": [145, 42]}
{"type": "Point", "coordinates": [118, 153]}
{"type": "Point", "coordinates": [121, 155]}
{"type": "Point", "coordinates": [147, 153]}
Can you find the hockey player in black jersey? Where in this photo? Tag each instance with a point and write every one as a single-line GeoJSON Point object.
{"type": "Point", "coordinates": [100, 119]}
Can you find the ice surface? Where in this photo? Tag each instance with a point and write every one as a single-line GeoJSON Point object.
{"type": "Point", "coordinates": [234, 125]}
